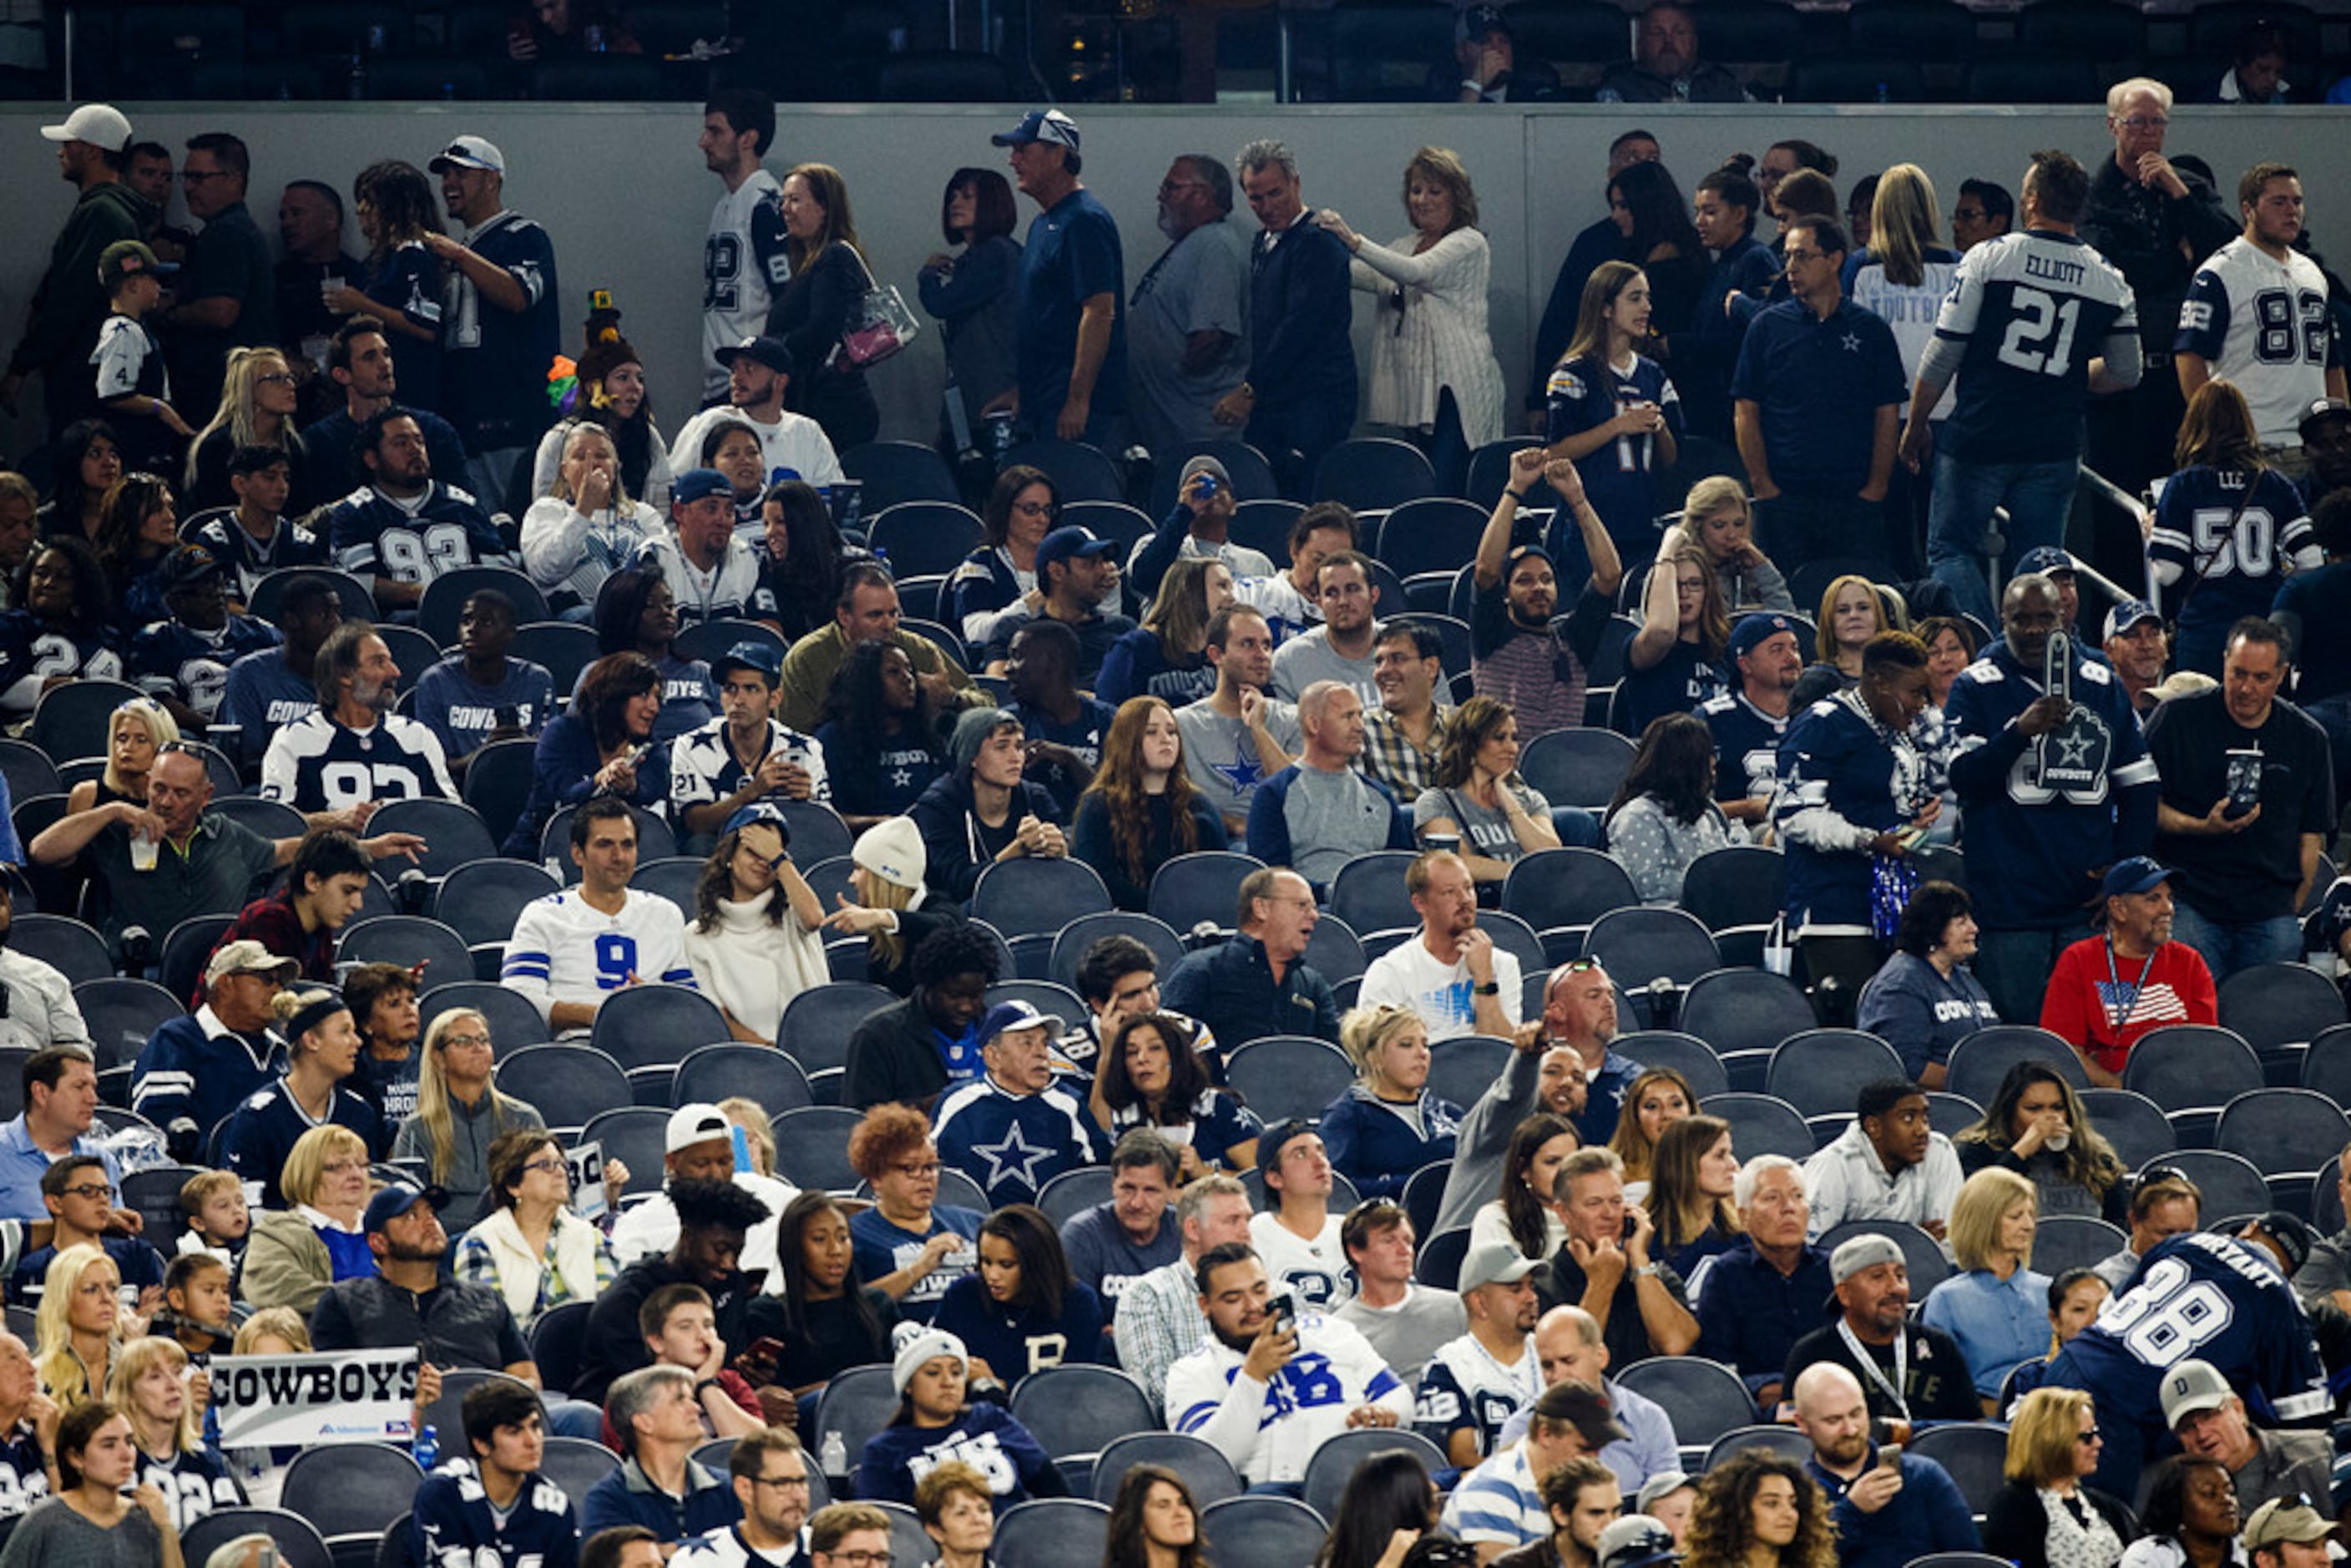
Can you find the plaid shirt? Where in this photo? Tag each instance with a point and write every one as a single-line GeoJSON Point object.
{"type": "Point", "coordinates": [1160, 1324]}
{"type": "Point", "coordinates": [1390, 755]}
{"type": "Point", "coordinates": [477, 1263]}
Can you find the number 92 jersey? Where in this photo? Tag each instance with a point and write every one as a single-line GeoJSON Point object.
{"type": "Point", "coordinates": [2034, 309]}
{"type": "Point", "coordinates": [2217, 1299]}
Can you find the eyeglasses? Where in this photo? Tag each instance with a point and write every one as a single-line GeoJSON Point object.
{"type": "Point", "coordinates": [276, 378]}
{"type": "Point", "coordinates": [553, 1163]}
{"type": "Point", "coordinates": [1795, 255]}
{"type": "Point", "coordinates": [95, 1192]}
{"type": "Point", "coordinates": [2092, 1436]}
{"type": "Point", "coordinates": [1035, 508]}
{"type": "Point", "coordinates": [464, 1042]}
{"type": "Point", "coordinates": [931, 1169]}
{"type": "Point", "coordinates": [2143, 122]}
{"type": "Point", "coordinates": [787, 1482]}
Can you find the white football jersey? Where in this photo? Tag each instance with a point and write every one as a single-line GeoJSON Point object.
{"type": "Point", "coordinates": [564, 949]}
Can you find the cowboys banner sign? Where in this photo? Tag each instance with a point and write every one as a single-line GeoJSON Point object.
{"type": "Point", "coordinates": [335, 1396]}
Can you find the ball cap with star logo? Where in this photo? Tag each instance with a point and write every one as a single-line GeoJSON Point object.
{"type": "Point", "coordinates": [2139, 874]}
{"type": "Point", "coordinates": [1041, 125]}
{"type": "Point", "coordinates": [1010, 1018]}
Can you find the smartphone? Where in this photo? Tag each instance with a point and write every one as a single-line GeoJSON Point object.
{"type": "Point", "coordinates": [1284, 1308]}
{"type": "Point", "coordinates": [766, 1347]}
{"type": "Point", "coordinates": [1889, 1456]}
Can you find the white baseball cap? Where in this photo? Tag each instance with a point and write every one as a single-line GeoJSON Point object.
{"type": "Point", "coordinates": [695, 1123]}
{"type": "Point", "coordinates": [470, 153]}
{"type": "Point", "coordinates": [100, 124]}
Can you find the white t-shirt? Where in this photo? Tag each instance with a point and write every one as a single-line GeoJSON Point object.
{"type": "Point", "coordinates": [795, 442]}
{"type": "Point", "coordinates": [1409, 976]}
{"type": "Point", "coordinates": [651, 1228]}
{"type": "Point", "coordinates": [1316, 1272]}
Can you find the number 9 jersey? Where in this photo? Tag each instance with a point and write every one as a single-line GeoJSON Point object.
{"type": "Point", "coordinates": [2032, 310]}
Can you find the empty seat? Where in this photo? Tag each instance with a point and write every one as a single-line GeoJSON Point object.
{"type": "Point", "coordinates": [121, 1012]}
{"type": "Point", "coordinates": [575, 1464]}
{"type": "Point", "coordinates": [636, 1136]}
{"type": "Point", "coordinates": [818, 832]}
{"type": "Point", "coordinates": [514, 1021]}
{"type": "Point", "coordinates": [1745, 1014]}
{"type": "Point", "coordinates": [1561, 891]}
{"type": "Point", "coordinates": [1974, 1453]}
{"type": "Point", "coordinates": [1077, 1411]}
{"type": "Point", "coordinates": [566, 1084]}
{"type": "Point", "coordinates": [1821, 1071]}
{"type": "Point", "coordinates": [922, 536]}
{"type": "Point", "coordinates": [894, 470]}
{"type": "Point", "coordinates": [1639, 946]}
{"type": "Point", "coordinates": [2135, 1124]}
{"type": "Point", "coordinates": [72, 720]}
{"type": "Point", "coordinates": [1054, 1532]}
{"type": "Point", "coordinates": [1577, 766]}
{"type": "Point", "coordinates": [2193, 1069]}
{"type": "Point", "coordinates": [454, 832]}
{"type": "Point", "coordinates": [812, 1148]}
{"type": "Point", "coordinates": [2289, 1135]}
{"type": "Point", "coordinates": [1761, 1125]}
{"type": "Point", "coordinates": [563, 648]}
{"type": "Point", "coordinates": [655, 1024]}
{"type": "Point", "coordinates": [1333, 951]}
{"type": "Point", "coordinates": [2279, 1009]}
{"type": "Point", "coordinates": [1462, 1068]}
{"type": "Point", "coordinates": [1737, 891]}
{"type": "Point", "coordinates": [1703, 1398]}
{"type": "Point", "coordinates": [1369, 894]}
{"type": "Point", "coordinates": [1261, 1529]}
{"type": "Point", "coordinates": [817, 1026]}
{"type": "Point", "coordinates": [1025, 896]}
{"type": "Point", "coordinates": [1204, 1468]}
{"type": "Point", "coordinates": [1201, 888]}
{"type": "Point", "coordinates": [857, 1403]}
{"type": "Point", "coordinates": [1685, 1053]}
{"type": "Point", "coordinates": [1289, 1075]}
{"type": "Point", "coordinates": [498, 782]}
{"type": "Point", "coordinates": [350, 1490]}
{"type": "Point", "coordinates": [1951, 1114]}
{"type": "Point", "coordinates": [186, 946]}
{"type": "Point", "coordinates": [1080, 472]}
{"type": "Point", "coordinates": [408, 940]}
{"type": "Point", "coordinates": [1071, 1194]}
{"type": "Point", "coordinates": [1979, 1061]}
{"type": "Point", "coordinates": [758, 1072]}
{"type": "Point", "coordinates": [2065, 1241]}
{"type": "Point", "coordinates": [674, 879]}
{"type": "Point", "coordinates": [1434, 533]}
{"type": "Point", "coordinates": [27, 771]}
{"type": "Point", "coordinates": [2326, 1065]}
{"type": "Point", "coordinates": [1372, 474]}
{"type": "Point", "coordinates": [2232, 1184]}
{"type": "Point", "coordinates": [482, 899]}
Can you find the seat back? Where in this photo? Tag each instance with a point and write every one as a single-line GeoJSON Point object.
{"type": "Point", "coordinates": [812, 1147]}
{"type": "Point", "coordinates": [858, 1402]}
{"type": "Point", "coordinates": [72, 721]}
{"type": "Point", "coordinates": [656, 1025]}
{"type": "Point", "coordinates": [1202, 1465]}
{"type": "Point", "coordinates": [514, 1021]}
{"type": "Point", "coordinates": [1072, 1193]}
{"type": "Point", "coordinates": [1921, 1253]}
{"type": "Point", "coordinates": [1982, 1059]}
{"type": "Point", "coordinates": [656, 841]}
{"type": "Point", "coordinates": [298, 1542]}
{"type": "Point", "coordinates": [443, 604]}
{"type": "Point", "coordinates": [2326, 1065]}
{"type": "Point", "coordinates": [817, 1026]}
{"type": "Point", "coordinates": [896, 471]}
{"type": "Point", "coordinates": [2191, 1067]}
{"type": "Point", "coordinates": [562, 648]}
{"type": "Point", "coordinates": [1761, 1125]}
{"type": "Point", "coordinates": [1071, 945]}
{"type": "Point", "coordinates": [1684, 1052]}
{"type": "Point", "coordinates": [1289, 1075]}
{"type": "Point", "coordinates": [1373, 474]}
{"type": "Point", "coordinates": [555, 1340]}
{"type": "Point", "coordinates": [1703, 1398]}
{"type": "Point", "coordinates": [121, 1012]}
{"type": "Point", "coordinates": [635, 1135]}
{"type": "Point", "coordinates": [2288, 1133]}
{"type": "Point", "coordinates": [1639, 946]}
{"type": "Point", "coordinates": [758, 1072]}
{"type": "Point", "coordinates": [1076, 1411]}
{"type": "Point", "coordinates": [1974, 1454]}
{"type": "Point", "coordinates": [498, 782]}
{"type": "Point", "coordinates": [408, 940]}
{"type": "Point", "coordinates": [1463, 1068]}
{"type": "Point", "coordinates": [452, 832]}
{"type": "Point", "coordinates": [923, 537]}
{"type": "Point", "coordinates": [1328, 1471]}
{"type": "Point", "coordinates": [1820, 1070]}
{"type": "Point", "coordinates": [186, 946]}
{"type": "Point", "coordinates": [1434, 533]}
{"type": "Point", "coordinates": [568, 1084]}
{"type": "Point", "coordinates": [482, 899]}
{"type": "Point", "coordinates": [1745, 1014]}
{"type": "Point", "coordinates": [351, 1489]}
{"type": "Point", "coordinates": [1335, 951]}
{"type": "Point", "coordinates": [1261, 1528]}
{"type": "Point", "coordinates": [2065, 1241]}
{"type": "Point", "coordinates": [575, 1464]}
{"type": "Point", "coordinates": [1203, 887]}
{"type": "Point", "coordinates": [1025, 896]}
{"type": "Point", "coordinates": [1577, 766]}
{"type": "Point", "coordinates": [2135, 1124]}
{"type": "Point", "coordinates": [1054, 1532]}
{"type": "Point", "coordinates": [2232, 1184]}
{"type": "Point", "coordinates": [1369, 894]}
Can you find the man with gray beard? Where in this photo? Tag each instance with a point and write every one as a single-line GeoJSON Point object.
{"type": "Point", "coordinates": [1188, 319]}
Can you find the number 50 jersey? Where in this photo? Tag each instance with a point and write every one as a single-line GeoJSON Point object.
{"type": "Point", "coordinates": [2214, 1298]}
{"type": "Point", "coordinates": [2033, 310]}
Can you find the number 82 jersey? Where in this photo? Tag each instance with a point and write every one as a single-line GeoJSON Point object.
{"type": "Point", "coordinates": [2217, 1299]}
{"type": "Point", "coordinates": [2033, 310]}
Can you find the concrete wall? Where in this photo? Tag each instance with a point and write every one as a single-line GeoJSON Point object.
{"type": "Point", "coordinates": [623, 191]}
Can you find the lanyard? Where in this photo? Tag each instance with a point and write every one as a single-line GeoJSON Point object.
{"type": "Point", "coordinates": [1875, 1374]}
{"type": "Point", "coordinates": [2124, 1001]}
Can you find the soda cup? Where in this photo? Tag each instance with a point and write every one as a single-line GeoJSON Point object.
{"type": "Point", "coordinates": [142, 852]}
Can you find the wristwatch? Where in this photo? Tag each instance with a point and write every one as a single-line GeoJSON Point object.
{"type": "Point", "coordinates": [1646, 1272]}
{"type": "Point", "coordinates": [1490, 988]}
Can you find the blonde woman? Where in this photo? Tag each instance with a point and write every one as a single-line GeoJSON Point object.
{"type": "Point", "coordinates": [1904, 273]}
{"type": "Point", "coordinates": [323, 1045]}
{"type": "Point", "coordinates": [136, 735]}
{"type": "Point", "coordinates": [459, 1111]}
{"type": "Point", "coordinates": [164, 1399]}
{"type": "Point", "coordinates": [830, 277]}
{"type": "Point", "coordinates": [586, 525]}
{"type": "Point", "coordinates": [1719, 519]}
{"type": "Point", "coordinates": [1997, 1307]}
{"type": "Point", "coordinates": [80, 1324]}
{"type": "Point", "coordinates": [1388, 1124]}
{"type": "Point", "coordinates": [294, 1253]}
{"type": "Point", "coordinates": [257, 405]}
{"type": "Point", "coordinates": [2047, 1516]}
{"type": "Point", "coordinates": [884, 902]}
{"type": "Point", "coordinates": [531, 1249]}
{"type": "Point", "coordinates": [1433, 368]}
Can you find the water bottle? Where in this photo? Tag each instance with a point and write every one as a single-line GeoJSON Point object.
{"type": "Point", "coordinates": [428, 1448]}
{"type": "Point", "coordinates": [833, 1458]}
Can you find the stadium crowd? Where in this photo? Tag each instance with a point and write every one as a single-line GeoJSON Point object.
{"type": "Point", "coordinates": [1343, 1126]}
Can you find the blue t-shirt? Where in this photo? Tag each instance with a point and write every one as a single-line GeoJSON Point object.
{"type": "Point", "coordinates": [901, 770]}
{"type": "Point", "coordinates": [1072, 255]}
{"type": "Point", "coordinates": [262, 694]}
{"type": "Point", "coordinates": [1103, 1255]}
{"type": "Point", "coordinates": [463, 715]}
{"type": "Point", "coordinates": [1619, 475]}
{"type": "Point", "coordinates": [880, 1248]}
{"type": "Point", "coordinates": [1817, 385]}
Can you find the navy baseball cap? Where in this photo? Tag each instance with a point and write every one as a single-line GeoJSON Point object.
{"type": "Point", "coordinates": [1753, 630]}
{"type": "Point", "coordinates": [1475, 24]}
{"type": "Point", "coordinates": [1041, 125]}
{"type": "Point", "coordinates": [772, 352]}
{"type": "Point", "coordinates": [2043, 558]}
{"type": "Point", "coordinates": [2139, 874]}
{"type": "Point", "coordinates": [700, 484]}
{"type": "Point", "coordinates": [2128, 616]}
{"type": "Point", "coordinates": [1067, 544]}
{"type": "Point", "coordinates": [391, 1202]}
{"type": "Point", "coordinates": [760, 658]}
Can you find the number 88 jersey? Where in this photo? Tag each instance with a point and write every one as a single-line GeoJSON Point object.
{"type": "Point", "coordinates": [2217, 1299]}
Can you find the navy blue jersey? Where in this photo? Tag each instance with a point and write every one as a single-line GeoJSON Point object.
{"type": "Point", "coordinates": [903, 769]}
{"type": "Point", "coordinates": [264, 1130]}
{"type": "Point", "coordinates": [1012, 1145]}
{"type": "Point", "coordinates": [494, 362]}
{"type": "Point", "coordinates": [2219, 1300]}
{"type": "Point", "coordinates": [2033, 310]}
{"type": "Point", "coordinates": [1619, 475]}
{"type": "Point", "coordinates": [2077, 801]}
{"type": "Point", "coordinates": [374, 537]}
{"type": "Point", "coordinates": [406, 283]}
{"type": "Point", "coordinates": [2219, 553]}
{"type": "Point", "coordinates": [1843, 779]}
{"type": "Point", "coordinates": [262, 694]}
{"type": "Point", "coordinates": [985, 1437]}
{"type": "Point", "coordinates": [173, 658]}
{"type": "Point", "coordinates": [288, 544]}
{"type": "Point", "coordinates": [32, 652]}
{"type": "Point", "coordinates": [316, 765]}
{"type": "Point", "coordinates": [457, 1527]}
{"type": "Point", "coordinates": [1463, 1386]}
{"type": "Point", "coordinates": [195, 1483]}
{"type": "Point", "coordinates": [461, 715]}
{"type": "Point", "coordinates": [24, 1479]}
{"type": "Point", "coordinates": [129, 365]}
{"type": "Point", "coordinates": [1746, 746]}
{"type": "Point", "coordinates": [1684, 680]}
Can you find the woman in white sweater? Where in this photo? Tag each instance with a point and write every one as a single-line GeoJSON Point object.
{"type": "Point", "coordinates": [586, 526]}
{"type": "Point", "coordinates": [1433, 366]}
{"type": "Point", "coordinates": [756, 941]}
{"type": "Point", "coordinates": [532, 1250]}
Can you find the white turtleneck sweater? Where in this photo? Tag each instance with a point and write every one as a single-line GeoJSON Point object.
{"type": "Point", "coordinates": [752, 966]}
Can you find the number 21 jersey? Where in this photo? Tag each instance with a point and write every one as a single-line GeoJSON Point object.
{"type": "Point", "coordinates": [2034, 309]}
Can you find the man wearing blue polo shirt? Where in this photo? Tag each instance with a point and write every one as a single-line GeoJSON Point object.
{"type": "Point", "coordinates": [1817, 396]}
{"type": "Point", "coordinates": [61, 1098]}
{"type": "Point", "coordinates": [1070, 368]}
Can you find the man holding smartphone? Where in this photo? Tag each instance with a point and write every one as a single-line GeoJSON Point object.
{"type": "Point", "coordinates": [1867, 1481]}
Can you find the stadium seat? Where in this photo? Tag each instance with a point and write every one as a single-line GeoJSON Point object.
{"type": "Point", "coordinates": [1203, 887]}
{"type": "Point", "coordinates": [1072, 1193]}
{"type": "Point", "coordinates": [2232, 1184]}
{"type": "Point", "coordinates": [408, 940]}
{"type": "Point", "coordinates": [1846, 77]}
{"type": "Point", "coordinates": [1438, 1265]}
{"type": "Point", "coordinates": [180, 961]}
{"type": "Point", "coordinates": [1335, 1462]}
{"type": "Point", "coordinates": [1979, 1061]}
{"type": "Point", "coordinates": [603, 78]}
{"type": "Point", "coordinates": [817, 1026]}
{"type": "Point", "coordinates": [555, 1340]}
{"type": "Point", "coordinates": [265, 818]}
{"type": "Point", "coordinates": [1639, 946]}
{"type": "Point", "coordinates": [2098, 29]}
{"type": "Point", "coordinates": [1053, 1532]}
{"type": "Point", "coordinates": [298, 1542]}
{"type": "Point", "coordinates": [1462, 1068]}
{"type": "Point", "coordinates": [358, 599]}
{"type": "Point", "coordinates": [1076, 1411]}
{"type": "Point", "coordinates": [1289, 1075]}
{"type": "Point", "coordinates": [1702, 1398]}
{"type": "Point", "coordinates": [2279, 1009]}
{"type": "Point", "coordinates": [1561, 891]}
{"type": "Point", "coordinates": [1085, 930]}
{"type": "Point", "coordinates": [656, 1025]}
{"type": "Point", "coordinates": [563, 1082]}
{"type": "Point", "coordinates": [514, 1021]}
{"type": "Point", "coordinates": [1684, 1052]}
{"type": "Point", "coordinates": [349, 1491]}
{"type": "Point", "coordinates": [1434, 533]}
{"type": "Point", "coordinates": [482, 899]}
{"type": "Point", "coordinates": [2191, 1070]}
{"type": "Point", "coordinates": [1489, 466]}
{"type": "Point", "coordinates": [674, 879]}
{"type": "Point", "coordinates": [1974, 1453]}
{"type": "Point", "coordinates": [443, 604]}
{"type": "Point", "coordinates": [575, 1464]}
{"type": "Point", "coordinates": [812, 1148]}
{"type": "Point", "coordinates": [72, 720]}
{"type": "Point", "coordinates": [1820, 1070]}
{"type": "Point", "coordinates": [1080, 472]}
{"type": "Point", "coordinates": [563, 648]}
{"type": "Point", "coordinates": [154, 1193]}
{"type": "Point", "coordinates": [453, 833]}
{"type": "Point", "coordinates": [1783, 1441]}
{"type": "Point", "coordinates": [1737, 893]}
{"type": "Point", "coordinates": [919, 537]}
{"type": "Point", "coordinates": [498, 783]}
{"type": "Point", "coordinates": [1204, 1468]}
{"type": "Point", "coordinates": [1961, 1559]}
{"type": "Point", "coordinates": [1745, 1014]}
{"type": "Point", "coordinates": [1373, 474]}
{"type": "Point", "coordinates": [1109, 520]}
{"type": "Point", "coordinates": [857, 1403]}
{"type": "Point", "coordinates": [122, 1012]}
{"type": "Point", "coordinates": [1053, 1001]}
{"type": "Point", "coordinates": [1261, 1528]}
{"type": "Point", "coordinates": [2034, 77]}
{"type": "Point", "coordinates": [889, 471]}
{"type": "Point", "coordinates": [1025, 896]}
{"type": "Point", "coordinates": [2213, 25]}
{"type": "Point", "coordinates": [759, 1073]}
{"type": "Point", "coordinates": [1577, 766]}
{"type": "Point", "coordinates": [1333, 951]}
{"type": "Point", "coordinates": [412, 650]}
{"type": "Point", "coordinates": [634, 1134]}
{"type": "Point", "coordinates": [1922, 1255]}
{"type": "Point", "coordinates": [27, 771]}
{"type": "Point", "coordinates": [2326, 1201]}
{"type": "Point", "coordinates": [1951, 1114]}
{"type": "Point", "coordinates": [2326, 1065]}
{"type": "Point", "coordinates": [2289, 1135]}
{"type": "Point", "coordinates": [2135, 1124]}
{"type": "Point", "coordinates": [656, 841]}
{"type": "Point", "coordinates": [1368, 894]}
{"type": "Point", "coordinates": [710, 639]}
{"type": "Point", "coordinates": [1761, 1125]}
{"type": "Point", "coordinates": [2065, 1241]}
{"type": "Point", "coordinates": [1424, 1194]}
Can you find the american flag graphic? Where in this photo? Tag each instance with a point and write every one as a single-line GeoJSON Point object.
{"type": "Point", "coordinates": [2156, 1003]}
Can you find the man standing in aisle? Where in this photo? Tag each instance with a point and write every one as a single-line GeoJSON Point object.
{"type": "Point", "coordinates": [68, 307]}
{"type": "Point", "coordinates": [1298, 397]}
{"type": "Point", "coordinates": [1190, 312]}
{"type": "Point", "coordinates": [1070, 303]}
{"type": "Point", "coordinates": [743, 260]}
{"type": "Point", "coordinates": [498, 327]}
